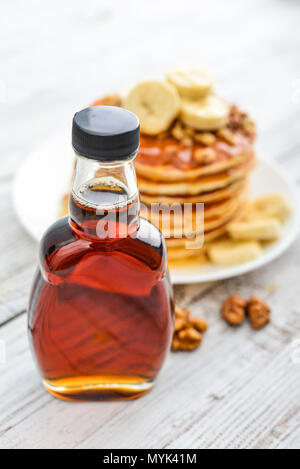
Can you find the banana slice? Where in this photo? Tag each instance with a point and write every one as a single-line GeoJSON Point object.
{"type": "Point", "coordinates": [265, 229]}
{"type": "Point", "coordinates": [273, 205]}
{"type": "Point", "coordinates": [155, 103]}
{"type": "Point", "coordinates": [209, 113]}
{"type": "Point", "coordinates": [193, 83]}
{"type": "Point", "coordinates": [232, 252]}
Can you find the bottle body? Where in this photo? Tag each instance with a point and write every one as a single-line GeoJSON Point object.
{"type": "Point", "coordinates": [100, 312]}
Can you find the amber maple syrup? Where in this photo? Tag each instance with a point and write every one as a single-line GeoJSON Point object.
{"type": "Point", "coordinates": [100, 313]}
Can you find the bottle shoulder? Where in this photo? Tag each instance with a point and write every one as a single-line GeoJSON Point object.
{"type": "Point", "coordinates": [56, 236]}
{"type": "Point", "coordinates": [61, 249]}
{"type": "Point", "coordinates": [150, 234]}
{"type": "Point", "coordinates": [55, 253]}
{"type": "Point", "coordinates": [149, 246]}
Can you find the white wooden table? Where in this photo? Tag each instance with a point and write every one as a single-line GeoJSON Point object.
{"type": "Point", "coordinates": [241, 389]}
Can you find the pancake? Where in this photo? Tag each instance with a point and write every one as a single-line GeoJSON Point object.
{"type": "Point", "coordinates": [218, 209]}
{"type": "Point", "coordinates": [195, 245]}
{"type": "Point", "coordinates": [173, 227]}
{"type": "Point", "coordinates": [176, 214]}
{"type": "Point", "coordinates": [209, 235]}
{"type": "Point", "coordinates": [211, 209]}
{"type": "Point", "coordinates": [168, 160]}
{"type": "Point", "coordinates": [204, 184]}
{"type": "Point", "coordinates": [172, 155]}
{"type": "Point", "coordinates": [167, 157]}
{"type": "Point", "coordinates": [231, 190]}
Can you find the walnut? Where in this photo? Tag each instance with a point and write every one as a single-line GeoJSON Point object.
{"type": "Point", "coordinates": [204, 155]}
{"type": "Point", "coordinates": [206, 138]}
{"type": "Point", "coordinates": [199, 324]}
{"type": "Point", "coordinates": [176, 345]}
{"type": "Point", "coordinates": [180, 324]}
{"type": "Point", "coordinates": [177, 131]}
{"type": "Point", "coordinates": [184, 134]}
{"type": "Point", "coordinates": [181, 312]}
{"type": "Point", "coordinates": [226, 135]}
{"type": "Point", "coordinates": [234, 117]}
{"type": "Point", "coordinates": [239, 120]}
{"type": "Point", "coordinates": [187, 141]}
{"type": "Point", "coordinates": [187, 330]}
{"type": "Point", "coordinates": [258, 312]}
{"type": "Point", "coordinates": [179, 344]}
{"type": "Point", "coordinates": [234, 310]}
{"type": "Point", "coordinates": [189, 131]}
{"type": "Point", "coordinates": [248, 125]}
{"type": "Point", "coordinates": [190, 338]}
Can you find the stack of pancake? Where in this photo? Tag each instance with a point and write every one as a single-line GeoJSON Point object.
{"type": "Point", "coordinates": [171, 172]}
{"type": "Point", "coordinates": [195, 149]}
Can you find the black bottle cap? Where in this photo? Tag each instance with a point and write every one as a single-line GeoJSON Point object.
{"type": "Point", "coordinates": [105, 133]}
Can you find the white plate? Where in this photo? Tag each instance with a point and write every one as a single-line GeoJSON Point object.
{"type": "Point", "coordinates": [45, 176]}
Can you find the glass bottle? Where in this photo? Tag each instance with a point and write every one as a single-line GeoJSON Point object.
{"type": "Point", "coordinates": [101, 305]}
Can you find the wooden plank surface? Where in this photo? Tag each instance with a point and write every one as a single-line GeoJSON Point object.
{"type": "Point", "coordinates": [241, 388]}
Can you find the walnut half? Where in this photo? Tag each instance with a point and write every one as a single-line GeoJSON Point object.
{"type": "Point", "coordinates": [234, 310]}
{"type": "Point", "coordinates": [258, 312]}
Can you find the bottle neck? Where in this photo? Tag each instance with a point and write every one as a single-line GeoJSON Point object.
{"type": "Point", "coordinates": [104, 201]}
